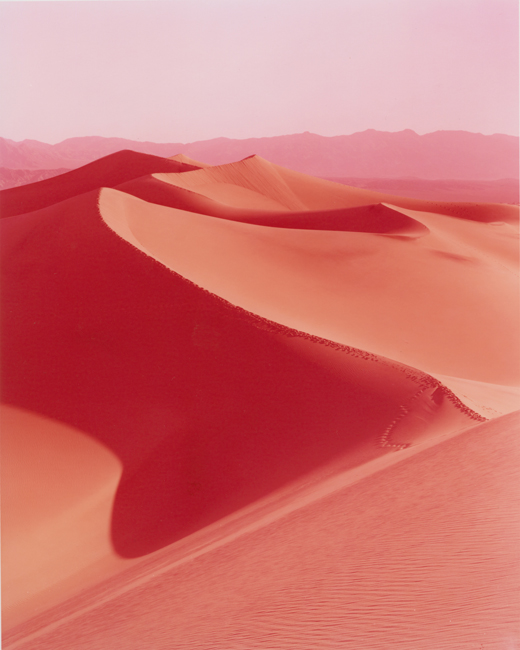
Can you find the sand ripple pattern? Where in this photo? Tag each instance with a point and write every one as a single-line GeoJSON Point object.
{"type": "Point", "coordinates": [420, 556]}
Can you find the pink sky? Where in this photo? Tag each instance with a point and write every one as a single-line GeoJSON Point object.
{"type": "Point", "coordinates": [187, 70]}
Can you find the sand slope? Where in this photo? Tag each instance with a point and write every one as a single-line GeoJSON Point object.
{"type": "Point", "coordinates": [109, 171]}
{"type": "Point", "coordinates": [393, 560]}
{"type": "Point", "coordinates": [214, 337]}
{"type": "Point", "coordinates": [58, 487]}
{"type": "Point", "coordinates": [341, 284]}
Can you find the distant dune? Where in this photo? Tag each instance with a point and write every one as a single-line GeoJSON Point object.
{"type": "Point", "coordinates": [15, 177]}
{"type": "Point", "coordinates": [245, 407]}
{"type": "Point", "coordinates": [453, 155]}
{"type": "Point", "coordinates": [505, 190]}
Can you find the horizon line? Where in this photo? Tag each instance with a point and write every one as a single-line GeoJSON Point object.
{"type": "Point", "coordinates": [266, 137]}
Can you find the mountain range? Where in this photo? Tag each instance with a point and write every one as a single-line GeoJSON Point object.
{"type": "Point", "coordinates": [369, 154]}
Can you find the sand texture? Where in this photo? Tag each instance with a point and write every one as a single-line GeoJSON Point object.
{"type": "Point", "coordinates": [245, 408]}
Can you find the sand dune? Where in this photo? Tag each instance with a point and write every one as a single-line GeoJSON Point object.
{"type": "Point", "coordinates": [58, 487]}
{"type": "Point", "coordinates": [341, 285]}
{"type": "Point", "coordinates": [504, 190]}
{"type": "Point", "coordinates": [296, 191]}
{"type": "Point", "coordinates": [412, 553]}
{"type": "Point", "coordinates": [105, 172]}
{"type": "Point", "coordinates": [180, 157]}
{"type": "Point", "coordinates": [193, 352]}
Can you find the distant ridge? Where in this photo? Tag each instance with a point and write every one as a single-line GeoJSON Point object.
{"type": "Point", "coordinates": [15, 177]}
{"type": "Point", "coordinates": [448, 155]}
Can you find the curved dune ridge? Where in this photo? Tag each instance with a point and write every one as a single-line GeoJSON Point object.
{"type": "Point", "coordinates": [211, 337]}
{"type": "Point", "coordinates": [341, 284]}
{"type": "Point", "coordinates": [105, 172]}
{"type": "Point", "coordinates": [296, 190]}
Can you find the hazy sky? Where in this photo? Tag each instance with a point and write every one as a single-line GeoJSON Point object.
{"type": "Point", "coordinates": [187, 70]}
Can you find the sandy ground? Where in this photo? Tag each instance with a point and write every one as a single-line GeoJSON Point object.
{"type": "Point", "coordinates": [245, 408]}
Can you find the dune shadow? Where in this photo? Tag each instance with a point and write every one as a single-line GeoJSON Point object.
{"type": "Point", "coordinates": [376, 219]}
{"type": "Point", "coordinates": [207, 408]}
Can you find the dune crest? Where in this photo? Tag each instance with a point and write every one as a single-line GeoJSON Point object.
{"type": "Point", "coordinates": [228, 182]}
{"type": "Point", "coordinates": [356, 279]}
{"type": "Point", "coordinates": [105, 172]}
{"type": "Point", "coordinates": [198, 360]}
{"type": "Point", "coordinates": [180, 157]}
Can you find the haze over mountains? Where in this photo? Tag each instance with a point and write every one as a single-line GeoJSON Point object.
{"type": "Point", "coordinates": [369, 154]}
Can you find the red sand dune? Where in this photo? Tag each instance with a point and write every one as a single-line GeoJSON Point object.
{"type": "Point", "coordinates": [417, 553]}
{"type": "Point", "coordinates": [105, 172]}
{"type": "Point", "coordinates": [243, 407]}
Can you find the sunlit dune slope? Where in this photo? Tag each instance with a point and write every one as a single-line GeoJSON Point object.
{"type": "Point", "coordinates": [296, 191]}
{"type": "Point", "coordinates": [242, 184]}
{"type": "Point", "coordinates": [58, 487]}
{"type": "Point", "coordinates": [249, 186]}
{"type": "Point", "coordinates": [414, 295]}
{"type": "Point", "coordinates": [206, 406]}
{"type": "Point", "coordinates": [183, 342]}
{"type": "Point", "coordinates": [419, 555]}
{"type": "Point", "coordinates": [365, 218]}
{"type": "Point", "coordinates": [154, 190]}
{"type": "Point", "coordinates": [105, 172]}
{"type": "Point", "coordinates": [180, 157]}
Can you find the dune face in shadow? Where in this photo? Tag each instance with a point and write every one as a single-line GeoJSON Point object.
{"type": "Point", "coordinates": [108, 172]}
{"type": "Point", "coordinates": [391, 561]}
{"type": "Point", "coordinates": [206, 409]}
{"type": "Point", "coordinates": [367, 218]}
{"type": "Point", "coordinates": [386, 292]}
{"type": "Point", "coordinates": [235, 335]}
